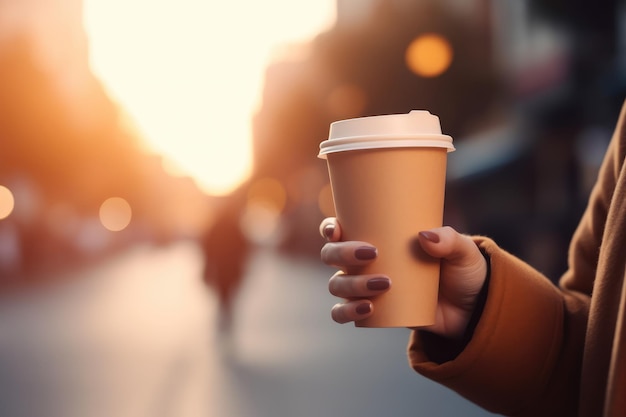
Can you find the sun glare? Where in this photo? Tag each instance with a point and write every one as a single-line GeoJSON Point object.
{"type": "Point", "coordinates": [189, 72]}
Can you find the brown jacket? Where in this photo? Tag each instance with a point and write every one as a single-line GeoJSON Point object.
{"type": "Point", "coordinates": [539, 350]}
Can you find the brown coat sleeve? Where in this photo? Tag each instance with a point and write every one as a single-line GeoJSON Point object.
{"type": "Point", "coordinates": [509, 362]}
{"type": "Point", "coordinates": [525, 356]}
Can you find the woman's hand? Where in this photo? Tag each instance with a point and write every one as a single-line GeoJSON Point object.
{"type": "Point", "coordinates": [463, 272]}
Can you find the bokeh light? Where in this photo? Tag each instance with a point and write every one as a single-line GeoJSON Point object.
{"type": "Point", "coordinates": [7, 202]}
{"type": "Point", "coordinates": [115, 214]}
{"type": "Point", "coordinates": [429, 55]}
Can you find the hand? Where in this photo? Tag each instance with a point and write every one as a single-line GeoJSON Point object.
{"type": "Point", "coordinates": [463, 272]}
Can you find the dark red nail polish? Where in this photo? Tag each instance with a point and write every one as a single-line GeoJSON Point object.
{"type": "Point", "coordinates": [430, 236]}
{"type": "Point", "coordinates": [378, 284]}
{"type": "Point", "coordinates": [364, 308]}
{"type": "Point", "coordinates": [365, 253]}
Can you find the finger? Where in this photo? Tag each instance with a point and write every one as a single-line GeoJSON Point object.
{"type": "Point", "coordinates": [351, 311]}
{"type": "Point", "coordinates": [445, 242]}
{"type": "Point", "coordinates": [358, 286]}
{"type": "Point", "coordinates": [343, 254]}
{"type": "Point", "coordinates": [329, 229]}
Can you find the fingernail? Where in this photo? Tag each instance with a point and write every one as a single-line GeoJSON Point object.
{"type": "Point", "coordinates": [378, 284]}
{"type": "Point", "coordinates": [364, 308]}
{"type": "Point", "coordinates": [430, 236]}
{"type": "Point", "coordinates": [365, 253]}
{"type": "Point", "coordinates": [329, 230]}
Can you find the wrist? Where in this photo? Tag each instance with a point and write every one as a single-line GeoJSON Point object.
{"type": "Point", "coordinates": [440, 349]}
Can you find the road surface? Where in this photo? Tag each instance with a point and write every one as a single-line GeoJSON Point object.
{"type": "Point", "coordinates": [136, 335]}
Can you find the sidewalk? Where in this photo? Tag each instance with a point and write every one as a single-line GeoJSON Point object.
{"type": "Point", "coordinates": [136, 336]}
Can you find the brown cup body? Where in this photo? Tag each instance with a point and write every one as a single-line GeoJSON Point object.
{"type": "Point", "coordinates": [386, 197]}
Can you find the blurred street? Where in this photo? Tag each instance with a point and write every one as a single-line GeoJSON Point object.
{"type": "Point", "coordinates": [136, 335]}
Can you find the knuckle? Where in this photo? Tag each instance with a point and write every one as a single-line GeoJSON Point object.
{"type": "Point", "coordinates": [327, 254]}
{"type": "Point", "coordinates": [347, 286]}
{"type": "Point", "coordinates": [334, 284]}
{"type": "Point", "coordinates": [448, 229]}
{"type": "Point", "coordinates": [338, 314]}
{"type": "Point", "coordinates": [335, 254]}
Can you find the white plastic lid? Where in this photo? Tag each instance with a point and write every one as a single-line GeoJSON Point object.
{"type": "Point", "coordinates": [418, 128]}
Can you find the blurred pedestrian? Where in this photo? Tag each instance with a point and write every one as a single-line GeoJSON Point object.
{"type": "Point", "coordinates": [226, 251]}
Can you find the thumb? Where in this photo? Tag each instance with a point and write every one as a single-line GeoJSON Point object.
{"type": "Point", "coordinates": [447, 243]}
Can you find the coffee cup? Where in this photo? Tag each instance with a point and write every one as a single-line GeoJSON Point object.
{"type": "Point", "coordinates": [387, 175]}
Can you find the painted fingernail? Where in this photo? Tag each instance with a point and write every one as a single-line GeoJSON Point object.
{"type": "Point", "coordinates": [378, 284]}
{"type": "Point", "coordinates": [364, 308]}
{"type": "Point", "coordinates": [329, 231]}
{"type": "Point", "coordinates": [365, 253]}
{"type": "Point", "coordinates": [430, 236]}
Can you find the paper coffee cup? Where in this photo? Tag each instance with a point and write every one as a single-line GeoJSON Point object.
{"type": "Point", "coordinates": [387, 175]}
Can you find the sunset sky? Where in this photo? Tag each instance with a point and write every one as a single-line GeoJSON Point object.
{"type": "Point", "coordinates": [189, 72]}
